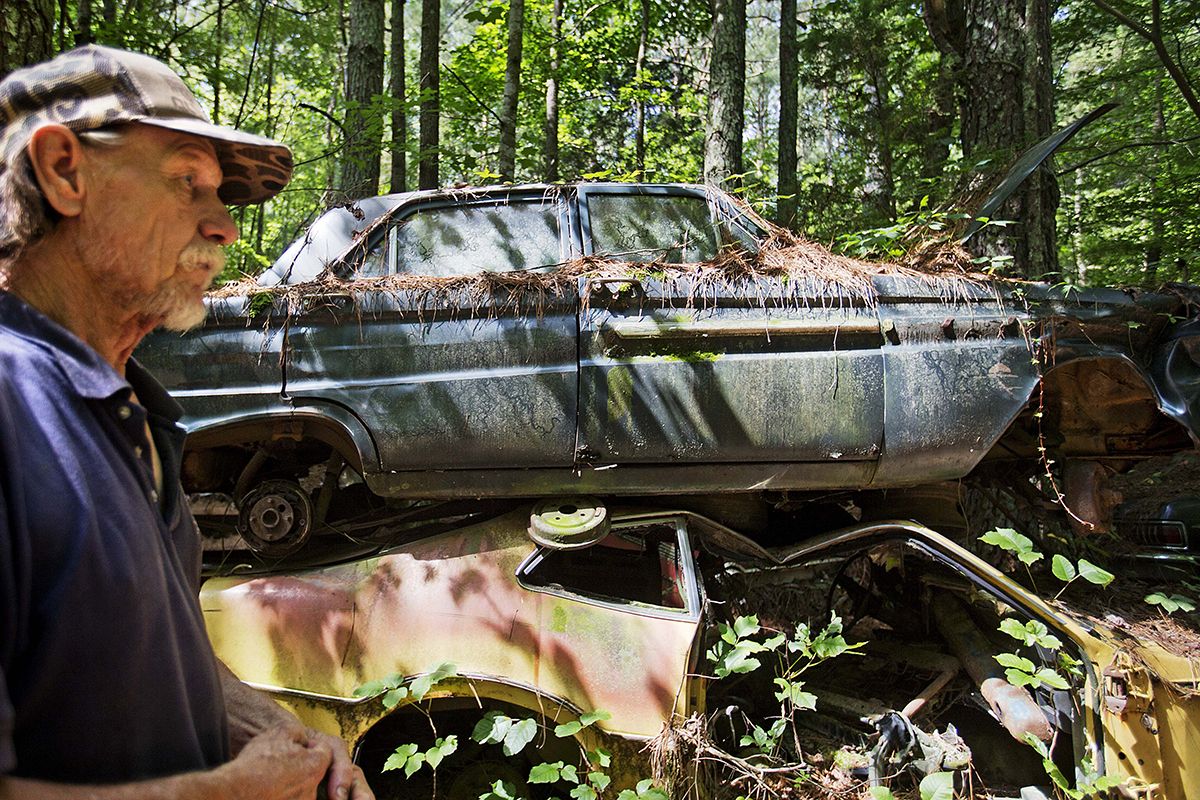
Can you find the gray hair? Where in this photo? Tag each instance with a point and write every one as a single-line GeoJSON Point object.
{"type": "Point", "coordinates": [25, 217]}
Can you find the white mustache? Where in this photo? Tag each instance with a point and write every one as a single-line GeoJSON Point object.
{"type": "Point", "coordinates": [205, 256]}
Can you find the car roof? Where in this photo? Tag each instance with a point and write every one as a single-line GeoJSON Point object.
{"type": "Point", "coordinates": [333, 233]}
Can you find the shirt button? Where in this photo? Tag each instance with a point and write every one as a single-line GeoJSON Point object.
{"type": "Point", "coordinates": [124, 412]}
{"type": "Point", "coordinates": [137, 451]}
{"type": "Point", "coordinates": [153, 496]}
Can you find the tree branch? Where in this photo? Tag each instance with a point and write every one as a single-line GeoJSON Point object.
{"type": "Point", "coordinates": [1126, 146]}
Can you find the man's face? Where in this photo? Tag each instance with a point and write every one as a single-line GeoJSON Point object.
{"type": "Point", "coordinates": [152, 225]}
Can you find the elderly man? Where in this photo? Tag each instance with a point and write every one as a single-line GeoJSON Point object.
{"type": "Point", "coordinates": [113, 185]}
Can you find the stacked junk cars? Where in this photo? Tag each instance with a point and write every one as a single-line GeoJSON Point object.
{"type": "Point", "coordinates": [623, 456]}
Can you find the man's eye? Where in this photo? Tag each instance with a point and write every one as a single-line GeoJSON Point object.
{"type": "Point", "coordinates": [189, 179]}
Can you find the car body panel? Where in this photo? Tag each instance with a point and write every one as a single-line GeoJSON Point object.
{"type": "Point", "coordinates": [451, 598]}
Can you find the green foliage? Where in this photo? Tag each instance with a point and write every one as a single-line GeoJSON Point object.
{"type": "Point", "coordinates": [735, 649]}
{"type": "Point", "coordinates": [1171, 603]}
{"type": "Point", "coordinates": [1091, 783]}
{"type": "Point", "coordinates": [1021, 671]}
{"type": "Point", "coordinates": [1031, 633]}
{"type": "Point", "coordinates": [410, 758]}
{"type": "Point", "coordinates": [937, 786]}
{"type": "Point", "coordinates": [512, 734]}
{"type": "Point", "coordinates": [395, 691]}
{"type": "Point", "coordinates": [585, 720]}
{"type": "Point", "coordinates": [1016, 543]}
{"type": "Point", "coordinates": [645, 790]}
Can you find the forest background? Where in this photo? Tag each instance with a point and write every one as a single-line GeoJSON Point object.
{"type": "Point", "coordinates": [848, 120]}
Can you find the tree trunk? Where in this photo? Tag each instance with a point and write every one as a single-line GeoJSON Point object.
{"type": "Point", "coordinates": [512, 91]}
{"type": "Point", "coordinates": [726, 94]}
{"type": "Point", "coordinates": [551, 147]}
{"type": "Point", "coordinates": [639, 67]}
{"type": "Point", "coordinates": [399, 179]}
{"type": "Point", "coordinates": [939, 122]}
{"type": "Point", "coordinates": [789, 67]}
{"type": "Point", "coordinates": [879, 185]}
{"type": "Point", "coordinates": [1154, 247]}
{"type": "Point", "coordinates": [83, 23]}
{"type": "Point", "coordinates": [364, 85]}
{"type": "Point", "coordinates": [26, 33]}
{"type": "Point", "coordinates": [1006, 105]}
{"type": "Point", "coordinates": [431, 25]}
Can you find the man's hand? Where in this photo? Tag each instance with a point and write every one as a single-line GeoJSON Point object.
{"type": "Point", "coordinates": [280, 764]}
{"type": "Point", "coordinates": [346, 780]}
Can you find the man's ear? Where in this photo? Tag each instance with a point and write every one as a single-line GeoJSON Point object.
{"type": "Point", "coordinates": [55, 153]}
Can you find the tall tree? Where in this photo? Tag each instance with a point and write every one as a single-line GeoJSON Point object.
{"type": "Point", "coordinates": [399, 178]}
{"type": "Point", "coordinates": [431, 34]}
{"type": "Point", "coordinates": [512, 91]}
{"type": "Point", "coordinates": [364, 85]}
{"type": "Point", "coordinates": [639, 68]}
{"type": "Point", "coordinates": [550, 150]}
{"type": "Point", "coordinates": [83, 23]}
{"type": "Point", "coordinates": [726, 94]}
{"type": "Point", "coordinates": [789, 103]}
{"type": "Point", "coordinates": [26, 33]}
{"type": "Point", "coordinates": [1004, 89]}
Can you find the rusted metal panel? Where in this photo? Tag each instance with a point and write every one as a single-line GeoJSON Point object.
{"type": "Point", "coordinates": [453, 598]}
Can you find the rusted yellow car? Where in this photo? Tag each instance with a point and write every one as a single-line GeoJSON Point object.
{"type": "Point", "coordinates": [623, 624]}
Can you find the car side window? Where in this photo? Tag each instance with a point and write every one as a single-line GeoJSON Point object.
{"type": "Point", "coordinates": [677, 229]}
{"type": "Point", "coordinates": [467, 239]}
{"type": "Point", "coordinates": [647, 558]}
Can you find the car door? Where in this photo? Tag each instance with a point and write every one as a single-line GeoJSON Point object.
{"type": "Point", "coordinates": [448, 370]}
{"type": "Point", "coordinates": [678, 369]}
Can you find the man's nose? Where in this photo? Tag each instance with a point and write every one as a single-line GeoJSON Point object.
{"type": "Point", "coordinates": [217, 225]}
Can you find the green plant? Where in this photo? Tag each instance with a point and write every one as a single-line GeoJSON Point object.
{"type": "Point", "coordinates": [397, 688]}
{"type": "Point", "coordinates": [736, 651]}
{"type": "Point", "coordinates": [1064, 570]}
{"type": "Point", "coordinates": [1170, 603]}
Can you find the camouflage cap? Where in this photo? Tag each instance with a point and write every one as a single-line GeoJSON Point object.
{"type": "Point", "coordinates": [93, 87]}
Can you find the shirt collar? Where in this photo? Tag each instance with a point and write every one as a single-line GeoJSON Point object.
{"type": "Point", "coordinates": [87, 372]}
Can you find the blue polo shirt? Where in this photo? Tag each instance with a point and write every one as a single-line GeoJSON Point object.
{"type": "Point", "coordinates": [106, 674]}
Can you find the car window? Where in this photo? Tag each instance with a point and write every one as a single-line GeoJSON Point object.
{"type": "Point", "coordinates": [649, 227]}
{"type": "Point", "coordinates": [647, 558]}
{"type": "Point", "coordinates": [464, 240]}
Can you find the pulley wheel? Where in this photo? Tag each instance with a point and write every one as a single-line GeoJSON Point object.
{"type": "Point", "coordinates": [568, 523]}
{"type": "Point", "coordinates": [275, 517]}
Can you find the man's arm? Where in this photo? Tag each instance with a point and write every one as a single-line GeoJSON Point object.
{"type": "Point", "coordinates": [278, 765]}
{"type": "Point", "coordinates": [251, 713]}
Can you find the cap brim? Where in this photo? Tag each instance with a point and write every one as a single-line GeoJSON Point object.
{"type": "Point", "coordinates": [256, 168]}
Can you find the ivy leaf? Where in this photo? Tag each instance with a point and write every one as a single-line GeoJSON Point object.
{"type": "Point", "coordinates": [1062, 568]}
{"type": "Point", "coordinates": [492, 728]}
{"type": "Point", "coordinates": [400, 757]}
{"type": "Point", "coordinates": [882, 793]}
{"type": "Point", "coordinates": [414, 763]}
{"type": "Point", "coordinates": [599, 779]}
{"type": "Point", "coordinates": [1008, 539]}
{"type": "Point", "coordinates": [570, 774]}
{"type": "Point", "coordinates": [500, 791]}
{"type": "Point", "coordinates": [1094, 574]}
{"type": "Point", "coordinates": [937, 786]}
{"type": "Point", "coordinates": [393, 697]}
{"type": "Point", "coordinates": [600, 756]}
{"type": "Point", "coordinates": [519, 735]}
{"type": "Point", "coordinates": [421, 686]}
{"type": "Point", "coordinates": [746, 626]}
{"type": "Point", "coordinates": [1051, 678]}
{"type": "Point", "coordinates": [1171, 603]}
{"type": "Point", "coordinates": [592, 717]}
{"type": "Point", "coordinates": [585, 792]}
{"type": "Point", "coordinates": [1014, 661]}
{"type": "Point", "coordinates": [546, 773]}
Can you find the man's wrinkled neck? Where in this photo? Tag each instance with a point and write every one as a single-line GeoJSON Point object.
{"type": "Point", "coordinates": [50, 279]}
